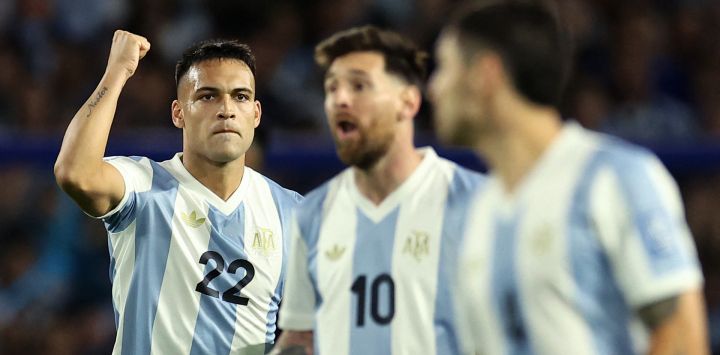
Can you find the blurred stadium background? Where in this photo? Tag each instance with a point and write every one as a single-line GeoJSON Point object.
{"type": "Point", "coordinates": [646, 70]}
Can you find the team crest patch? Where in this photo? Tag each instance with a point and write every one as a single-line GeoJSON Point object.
{"type": "Point", "coordinates": [417, 245]}
{"type": "Point", "coordinates": [543, 240]}
{"type": "Point", "coordinates": [264, 242]}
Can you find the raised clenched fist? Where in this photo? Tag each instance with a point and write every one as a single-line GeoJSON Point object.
{"type": "Point", "coordinates": [126, 51]}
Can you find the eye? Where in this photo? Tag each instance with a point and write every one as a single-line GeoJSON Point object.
{"type": "Point", "coordinates": [359, 86]}
{"type": "Point", "coordinates": [242, 97]}
{"type": "Point", "coordinates": [330, 87]}
{"type": "Point", "coordinates": [206, 97]}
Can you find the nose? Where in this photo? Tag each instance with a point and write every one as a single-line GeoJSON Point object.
{"type": "Point", "coordinates": [226, 109]}
{"type": "Point", "coordinates": [340, 98]}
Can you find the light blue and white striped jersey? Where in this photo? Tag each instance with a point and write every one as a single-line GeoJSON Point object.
{"type": "Point", "coordinates": [191, 273]}
{"type": "Point", "coordinates": [374, 279]}
{"type": "Point", "coordinates": [594, 232]}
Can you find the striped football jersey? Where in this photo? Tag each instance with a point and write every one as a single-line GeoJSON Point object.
{"type": "Point", "coordinates": [595, 231]}
{"type": "Point", "coordinates": [192, 273]}
{"type": "Point", "coordinates": [376, 279]}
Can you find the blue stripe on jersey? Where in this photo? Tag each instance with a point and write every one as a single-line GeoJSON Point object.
{"type": "Point", "coordinates": [309, 217]}
{"type": "Point", "coordinates": [215, 326]}
{"type": "Point", "coordinates": [460, 193]}
{"type": "Point", "coordinates": [656, 225]}
{"type": "Point", "coordinates": [123, 218]}
{"type": "Point", "coordinates": [152, 244]}
{"type": "Point", "coordinates": [374, 297]}
{"type": "Point", "coordinates": [285, 200]}
{"type": "Point", "coordinates": [598, 296]}
{"type": "Point", "coordinates": [112, 280]}
{"type": "Point", "coordinates": [505, 291]}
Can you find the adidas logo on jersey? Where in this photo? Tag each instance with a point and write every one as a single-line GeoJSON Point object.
{"type": "Point", "coordinates": [192, 220]}
{"type": "Point", "coordinates": [416, 244]}
{"type": "Point", "coordinates": [335, 253]}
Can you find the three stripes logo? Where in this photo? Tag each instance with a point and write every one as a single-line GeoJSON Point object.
{"type": "Point", "coordinates": [192, 220]}
{"type": "Point", "coordinates": [335, 253]}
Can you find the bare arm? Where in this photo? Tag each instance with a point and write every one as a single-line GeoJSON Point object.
{"type": "Point", "coordinates": [80, 170]}
{"type": "Point", "coordinates": [678, 325]}
{"type": "Point", "coordinates": [293, 342]}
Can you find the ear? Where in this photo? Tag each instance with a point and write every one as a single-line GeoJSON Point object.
{"type": "Point", "coordinates": [410, 99]}
{"type": "Point", "coordinates": [487, 74]}
{"type": "Point", "coordinates": [177, 114]}
{"type": "Point", "coordinates": [258, 113]}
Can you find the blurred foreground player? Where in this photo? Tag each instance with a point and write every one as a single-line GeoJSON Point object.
{"type": "Point", "coordinates": [578, 243]}
{"type": "Point", "coordinates": [197, 242]}
{"type": "Point", "coordinates": [373, 250]}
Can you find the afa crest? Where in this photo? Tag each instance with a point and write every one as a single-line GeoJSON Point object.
{"type": "Point", "coordinates": [264, 242]}
{"type": "Point", "coordinates": [417, 245]}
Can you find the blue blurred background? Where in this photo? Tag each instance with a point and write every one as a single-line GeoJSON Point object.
{"type": "Point", "coordinates": [645, 70]}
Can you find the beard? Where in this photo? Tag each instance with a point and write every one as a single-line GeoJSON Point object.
{"type": "Point", "coordinates": [365, 151]}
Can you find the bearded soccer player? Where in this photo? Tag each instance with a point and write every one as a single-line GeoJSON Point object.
{"type": "Point", "coordinates": [578, 243]}
{"type": "Point", "coordinates": [373, 249]}
{"type": "Point", "coordinates": [197, 242]}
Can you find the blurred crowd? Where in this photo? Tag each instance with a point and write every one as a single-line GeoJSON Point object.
{"type": "Point", "coordinates": [645, 70]}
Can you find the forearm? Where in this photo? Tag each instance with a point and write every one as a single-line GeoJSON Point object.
{"type": "Point", "coordinates": [684, 331]}
{"type": "Point", "coordinates": [85, 140]}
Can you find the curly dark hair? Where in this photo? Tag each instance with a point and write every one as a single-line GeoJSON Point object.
{"type": "Point", "coordinates": [402, 56]}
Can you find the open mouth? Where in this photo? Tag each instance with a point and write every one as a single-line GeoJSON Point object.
{"type": "Point", "coordinates": [346, 127]}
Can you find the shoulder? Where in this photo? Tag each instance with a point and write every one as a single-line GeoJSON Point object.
{"type": "Point", "coordinates": [131, 163]}
{"type": "Point", "coordinates": [279, 192]}
{"type": "Point", "coordinates": [627, 162]}
{"type": "Point", "coordinates": [461, 179]}
{"type": "Point", "coordinates": [313, 206]}
{"type": "Point", "coordinates": [137, 171]}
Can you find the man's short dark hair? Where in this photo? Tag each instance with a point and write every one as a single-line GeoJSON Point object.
{"type": "Point", "coordinates": [402, 57]}
{"type": "Point", "coordinates": [527, 36]}
{"type": "Point", "coordinates": [214, 49]}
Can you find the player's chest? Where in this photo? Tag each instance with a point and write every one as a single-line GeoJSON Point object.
{"type": "Point", "coordinates": [539, 244]}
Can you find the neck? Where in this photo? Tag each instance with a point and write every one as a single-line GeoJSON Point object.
{"type": "Point", "coordinates": [220, 178]}
{"type": "Point", "coordinates": [379, 181]}
{"type": "Point", "coordinates": [521, 137]}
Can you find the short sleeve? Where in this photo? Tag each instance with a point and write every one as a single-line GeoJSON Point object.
{"type": "Point", "coordinates": [137, 174]}
{"type": "Point", "coordinates": [639, 214]}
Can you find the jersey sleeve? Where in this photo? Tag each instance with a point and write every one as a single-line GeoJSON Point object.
{"type": "Point", "coordinates": [137, 175]}
{"type": "Point", "coordinates": [639, 215]}
{"type": "Point", "coordinates": [298, 307]}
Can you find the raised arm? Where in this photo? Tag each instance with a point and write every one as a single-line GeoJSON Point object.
{"type": "Point", "coordinates": [677, 325]}
{"type": "Point", "coordinates": [80, 170]}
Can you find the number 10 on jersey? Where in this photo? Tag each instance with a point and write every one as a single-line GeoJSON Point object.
{"type": "Point", "coordinates": [382, 290]}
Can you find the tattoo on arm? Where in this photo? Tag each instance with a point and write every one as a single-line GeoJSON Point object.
{"type": "Point", "coordinates": [96, 100]}
{"type": "Point", "coordinates": [653, 315]}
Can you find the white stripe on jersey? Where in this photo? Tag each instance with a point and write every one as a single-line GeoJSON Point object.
{"type": "Point", "coordinates": [369, 275]}
{"type": "Point", "coordinates": [174, 330]}
{"type": "Point", "coordinates": [595, 231]}
{"type": "Point", "coordinates": [414, 315]}
{"type": "Point", "coordinates": [332, 281]}
{"type": "Point", "coordinates": [123, 256]}
{"type": "Point", "coordinates": [168, 234]}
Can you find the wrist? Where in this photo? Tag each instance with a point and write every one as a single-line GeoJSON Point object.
{"type": "Point", "coordinates": [115, 75]}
